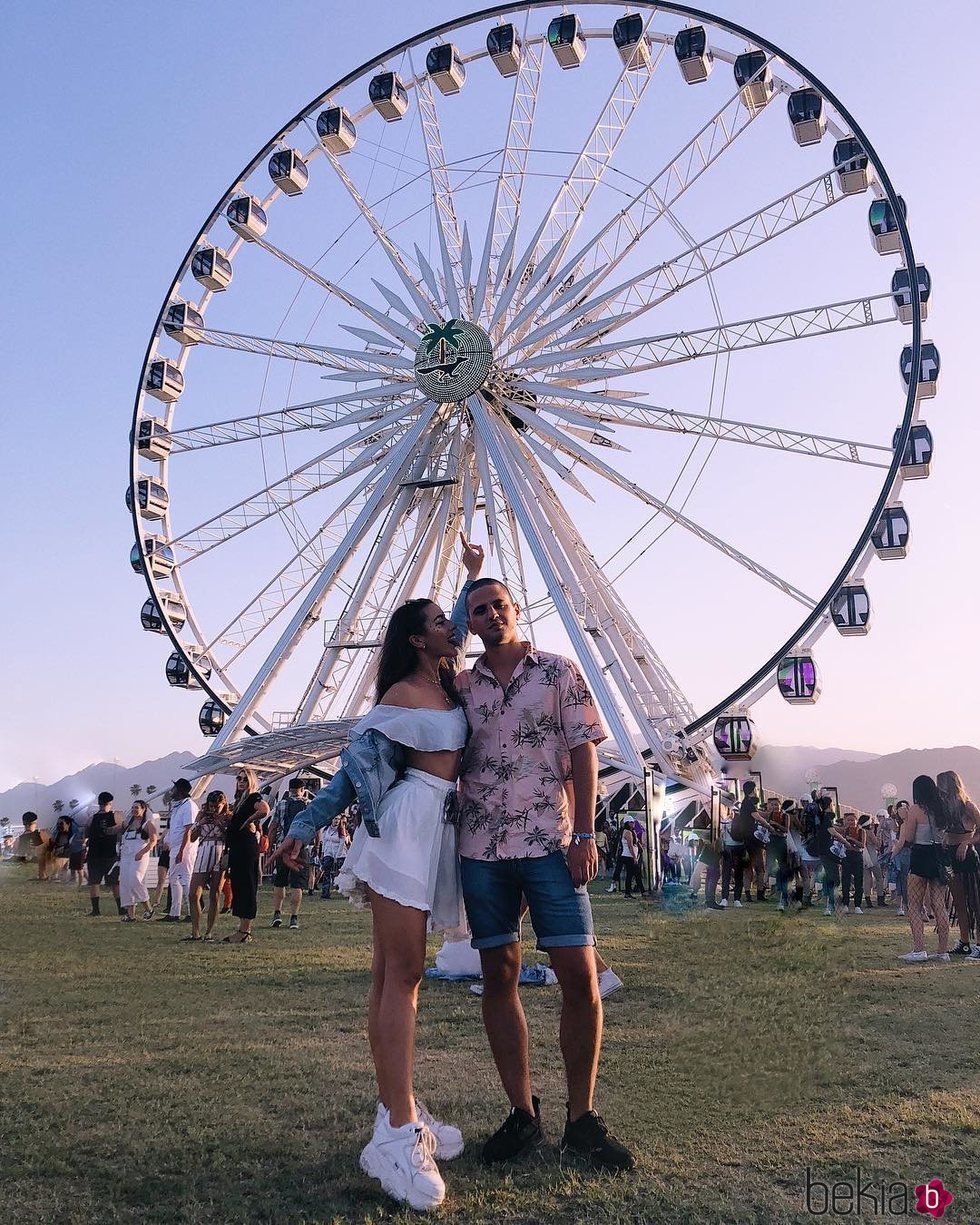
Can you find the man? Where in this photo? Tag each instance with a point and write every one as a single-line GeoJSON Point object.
{"type": "Point", "coordinates": [743, 832]}
{"type": "Point", "coordinates": [533, 727]}
{"type": "Point", "coordinates": [30, 844]}
{"type": "Point", "coordinates": [183, 852]}
{"type": "Point", "coordinates": [76, 853]}
{"type": "Point", "coordinates": [288, 807]}
{"type": "Point", "coordinates": [102, 842]}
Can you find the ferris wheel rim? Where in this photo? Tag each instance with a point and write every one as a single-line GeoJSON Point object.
{"type": "Point", "coordinates": [817, 621]}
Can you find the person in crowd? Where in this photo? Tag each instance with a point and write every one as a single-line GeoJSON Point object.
{"type": "Point", "coordinates": [601, 847]}
{"type": "Point", "coordinates": [163, 876]}
{"type": "Point", "coordinates": [875, 851]}
{"type": "Point", "coordinates": [675, 855]}
{"type": "Point", "coordinates": [629, 855]}
{"type": "Point", "coordinates": [290, 806]}
{"type": "Point", "coordinates": [819, 843]}
{"type": "Point", "coordinates": [102, 841]}
{"type": "Point", "coordinates": [928, 874]}
{"type": "Point", "coordinates": [136, 843]}
{"type": "Point", "coordinates": [962, 830]}
{"type": "Point", "coordinates": [242, 840]}
{"type": "Point", "coordinates": [58, 848]}
{"type": "Point", "coordinates": [901, 858]}
{"type": "Point", "coordinates": [30, 844]}
{"type": "Point", "coordinates": [742, 832]}
{"type": "Point", "coordinates": [8, 852]}
{"type": "Point", "coordinates": [708, 860]}
{"type": "Point", "coordinates": [402, 763]}
{"type": "Point", "coordinates": [639, 837]}
{"type": "Point", "coordinates": [183, 814]}
{"type": "Point", "coordinates": [334, 841]}
{"type": "Point", "coordinates": [852, 868]}
{"type": "Point", "coordinates": [76, 854]}
{"type": "Point", "coordinates": [615, 854]}
{"type": "Point", "coordinates": [797, 855]}
{"type": "Point", "coordinates": [208, 833]}
{"type": "Point", "coordinates": [777, 820]}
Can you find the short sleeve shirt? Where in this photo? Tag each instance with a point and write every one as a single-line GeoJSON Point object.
{"type": "Point", "coordinates": [182, 814]}
{"type": "Point", "coordinates": [517, 762]}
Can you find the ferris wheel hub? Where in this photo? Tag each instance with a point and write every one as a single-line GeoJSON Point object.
{"type": "Point", "coordinates": [452, 361]}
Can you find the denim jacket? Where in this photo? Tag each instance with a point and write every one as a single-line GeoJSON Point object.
{"type": "Point", "coordinates": [370, 766]}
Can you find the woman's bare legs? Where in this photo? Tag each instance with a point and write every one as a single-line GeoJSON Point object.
{"type": "Point", "coordinates": [213, 895]}
{"type": "Point", "coordinates": [917, 892]}
{"type": "Point", "coordinates": [937, 894]}
{"type": "Point", "coordinates": [962, 911]}
{"type": "Point", "coordinates": [396, 971]}
{"type": "Point", "coordinates": [198, 881]}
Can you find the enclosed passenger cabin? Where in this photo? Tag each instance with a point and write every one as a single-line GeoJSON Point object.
{"type": "Point", "coordinates": [902, 292]}
{"type": "Point", "coordinates": [633, 48]}
{"type": "Point", "coordinates": [796, 677]}
{"type": "Point", "coordinates": [505, 49]}
{"type": "Point", "coordinates": [891, 536]}
{"type": "Point", "coordinates": [566, 40]}
{"type": "Point", "coordinates": [445, 66]}
{"type": "Point", "coordinates": [884, 226]}
{"type": "Point", "coordinates": [851, 163]}
{"type": "Point", "coordinates": [336, 130]}
{"type": "Point", "coordinates": [179, 670]}
{"type": "Point", "coordinates": [753, 76]}
{"type": "Point", "coordinates": [807, 115]}
{"type": "Point", "coordinates": [211, 718]}
{"type": "Point", "coordinates": [164, 381]}
{"type": "Point", "coordinates": [212, 268]}
{"type": "Point", "coordinates": [693, 54]}
{"type": "Point", "coordinates": [247, 218]}
{"type": "Point", "coordinates": [156, 557]}
{"type": "Point", "coordinates": [928, 379]}
{"type": "Point", "coordinates": [152, 619]}
{"type": "Point", "coordinates": [850, 610]}
{"type": "Point", "coordinates": [151, 497]}
{"type": "Point", "coordinates": [388, 96]}
{"type": "Point", "coordinates": [917, 459]}
{"type": "Point", "coordinates": [181, 317]}
{"type": "Point", "coordinates": [288, 171]}
{"type": "Point", "coordinates": [153, 439]}
{"type": "Point", "coordinates": [734, 737]}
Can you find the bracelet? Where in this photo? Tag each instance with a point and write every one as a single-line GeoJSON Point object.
{"type": "Point", "coordinates": [577, 838]}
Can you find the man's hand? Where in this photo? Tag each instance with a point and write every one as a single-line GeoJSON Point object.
{"type": "Point", "coordinates": [472, 558]}
{"type": "Point", "coordinates": [583, 861]}
{"type": "Point", "coordinates": [289, 852]}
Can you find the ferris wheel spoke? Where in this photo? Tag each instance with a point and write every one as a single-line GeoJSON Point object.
{"type": "Point", "coordinates": [341, 410]}
{"type": "Point", "coordinates": [609, 411]}
{"type": "Point", "coordinates": [569, 206]}
{"type": "Point", "coordinates": [385, 489]}
{"type": "Point", "coordinates": [651, 352]}
{"type": "Point", "coordinates": [395, 330]}
{"type": "Point", "coordinates": [423, 304]}
{"type": "Point", "coordinates": [597, 258]}
{"type": "Point", "coordinates": [363, 363]}
{"type": "Point", "coordinates": [321, 472]}
{"type": "Point", "coordinates": [505, 211]}
{"type": "Point", "coordinates": [571, 447]}
{"type": "Point", "coordinates": [634, 297]}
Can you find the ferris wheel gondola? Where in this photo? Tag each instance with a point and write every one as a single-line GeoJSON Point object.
{"type": "Point", "coordinates": [460, 322]}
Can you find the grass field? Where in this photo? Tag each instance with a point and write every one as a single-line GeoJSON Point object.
{"type": "Point", "coordinates": [146, 1080]}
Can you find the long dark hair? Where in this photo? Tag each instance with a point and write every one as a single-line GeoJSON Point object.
{"type": "Point", "coordinates": [926, 794]}
{"type": "Point", "coordinates": [399, 658]}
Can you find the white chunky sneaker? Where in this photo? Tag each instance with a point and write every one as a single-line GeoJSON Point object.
{"type": "Point", "coordinates": [401, 1159]}
{"type": "Point", "coordinates": [609, 981]}
{"type": "Point", "coordinates": [449, 1139]}
{"type": "Point", "coordinates": [913, 956]}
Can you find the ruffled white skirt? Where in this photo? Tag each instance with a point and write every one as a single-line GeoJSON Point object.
{"type": "Point", "coordinates": [414, 861]}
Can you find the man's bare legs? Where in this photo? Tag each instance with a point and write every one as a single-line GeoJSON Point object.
{"type": "Point", "coordinates": [505, 1023]}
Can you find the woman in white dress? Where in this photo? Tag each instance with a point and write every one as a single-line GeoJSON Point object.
{"type": "Point", "coordinates": [138, 839]}
{"type": "Point", "coordinates": [403, 863]}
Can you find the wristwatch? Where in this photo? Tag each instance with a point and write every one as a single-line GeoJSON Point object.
{"type": "Point", "coordinates": [577, 838]}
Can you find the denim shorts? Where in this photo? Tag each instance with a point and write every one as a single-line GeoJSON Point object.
{"type": "Point", "coordinates": [493, 889]}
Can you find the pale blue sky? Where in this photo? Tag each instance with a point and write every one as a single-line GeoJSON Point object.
{"type": "Point", "coordinates": [126, 123]}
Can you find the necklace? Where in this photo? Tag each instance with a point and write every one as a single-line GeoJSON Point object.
{"type": "Point", "coordinates": [438, 684]}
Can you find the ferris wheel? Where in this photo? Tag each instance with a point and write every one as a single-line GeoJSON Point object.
{"type": "Point", "coordinates": [600, 286]}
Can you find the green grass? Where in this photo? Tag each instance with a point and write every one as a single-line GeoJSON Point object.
{"type": "Point", "coordinates": [145, 1080]}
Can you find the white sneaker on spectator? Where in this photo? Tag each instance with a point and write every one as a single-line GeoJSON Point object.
{"type": "Point", "coordinates": [401, 1159]}
{"type": "Point", "coordinates": [449, 1139]}
{"type": "Point", "coordinates": [723, 903]}
{"type": "Point", "coordinates": [900, 913]}
{"type": "Point", "coordinates": [974, 954]}
{"type": "Point", "coordinates": [923, 956]}
{"type": "Point", "coordinates": [782, 905]}
{"type": "Point", "coordinates": [858, 910]}
{"type": "Point", "coordinates": [828, 910]}
{"type": "Point", "coordinates": [940, 957]}
{"type": "Point", "coordinates": [609, 981]}
{"type": "Point", "coordinates": [738, 903]}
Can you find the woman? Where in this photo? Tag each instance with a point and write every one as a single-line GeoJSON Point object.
{"type": "Point", "coordinates": [402, 764]}
{"type": "Point", "coordinates": [852, 869]}
{"type": "Point", "coordinates": [242, 835]}
{"type": "Point", "coordinates": [139, 837]}
{"type": "Point", "coordinates": [928, 874]}
{"type": "Point", "coordinates": [629, 854]}
{"type": "Point", "coordinates": [962, 822]}
{"type": "Point", "coordinates": [59, 852]}
{"type": "Point", "coordinates": [208, 832]}
{"type": "Point", "coordinates": [334, 842]}
{"type": "Point", "coordinates": [777, 822]}
{"type": "Point", "coordinates": [900, 859]}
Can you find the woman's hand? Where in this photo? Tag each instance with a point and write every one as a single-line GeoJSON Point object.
{"type": "Point", "coordinates": [961, 851]}
{"type": "Point", "coordinates": [472, 558]}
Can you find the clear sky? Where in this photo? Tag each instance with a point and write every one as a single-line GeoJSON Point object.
{"type": "Point", "coordinates": [128, 122]}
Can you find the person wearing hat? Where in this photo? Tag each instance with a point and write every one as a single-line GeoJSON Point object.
{"type": "Point", "coordinates": [183, 852]}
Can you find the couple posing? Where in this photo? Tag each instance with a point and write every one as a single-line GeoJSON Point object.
{"type": "Point", "coordinates": [517, 730]}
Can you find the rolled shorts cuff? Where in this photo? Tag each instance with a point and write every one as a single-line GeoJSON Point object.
{"type": "Point", "coordinates": [496, 942]}
{"type": "Point", "coordinates": [586, 940]}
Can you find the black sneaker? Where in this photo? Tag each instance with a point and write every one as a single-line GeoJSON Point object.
{"type": "Point", "coordinates": [293, 923]}
{"type": "Point", "coordinates": [520, 1133]}
{"type": "Point", "coordinates": [960, 949]}
{"type": "Point", "coordinates": [277, 919]}
{"type": "Point", "coordinates": [589, 1137]}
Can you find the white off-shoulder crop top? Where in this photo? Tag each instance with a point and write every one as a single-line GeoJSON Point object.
{"type": "Point", "coordinates": [428, 731]}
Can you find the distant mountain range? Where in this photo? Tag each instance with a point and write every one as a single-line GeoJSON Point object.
{"type": "Point", "coordinates": [858, 776]}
